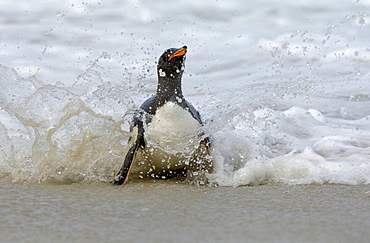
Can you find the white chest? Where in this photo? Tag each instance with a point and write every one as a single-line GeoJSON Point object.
{"type": "Point", "coordinates": [173, 129]}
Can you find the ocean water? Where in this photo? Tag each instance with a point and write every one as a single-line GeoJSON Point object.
{"type": "Point", "coordinates": [283, 88]}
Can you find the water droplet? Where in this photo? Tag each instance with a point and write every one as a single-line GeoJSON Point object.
{"type": "Point", "coordinates": [161, 73]}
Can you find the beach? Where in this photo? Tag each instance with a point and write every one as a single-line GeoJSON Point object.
{"type": "Point", "coordinates": [282, 88]}
{"type": "Point", "coordinates": [169, 211]}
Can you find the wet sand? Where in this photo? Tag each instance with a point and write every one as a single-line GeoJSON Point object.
{"type": "Point", "coordinates": [176, 212]}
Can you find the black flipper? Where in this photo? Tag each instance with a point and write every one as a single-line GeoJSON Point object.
{"type": "Point", "coordinates": [207, 144]}
{"type": "Point", "coordinates": [124, 172]}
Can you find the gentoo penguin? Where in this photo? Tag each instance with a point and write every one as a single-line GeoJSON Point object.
{"type": "Point", "coordinates": [167, 138]}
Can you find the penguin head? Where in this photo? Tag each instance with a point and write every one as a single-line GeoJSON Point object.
{"type": "Point", "coordinates": [171, 64]}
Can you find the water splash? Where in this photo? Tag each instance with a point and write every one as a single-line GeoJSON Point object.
{"type": "Point", "coordinates": [54, 134]}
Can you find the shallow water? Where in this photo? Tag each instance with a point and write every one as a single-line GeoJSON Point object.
{"type": "Point", "coordinates": [167, 212]}
{"type": "Point", "coordinates": [283, 88]}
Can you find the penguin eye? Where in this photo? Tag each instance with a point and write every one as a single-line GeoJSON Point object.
{"type": "Point", "coordinates": [165, 58]}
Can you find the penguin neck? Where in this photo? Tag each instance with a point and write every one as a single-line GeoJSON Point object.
{"type": "Point", "coordinates": [169, 89]}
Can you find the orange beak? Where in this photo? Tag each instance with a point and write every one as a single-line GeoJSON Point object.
{"type": "Point", "coordinates": [180, 52]}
